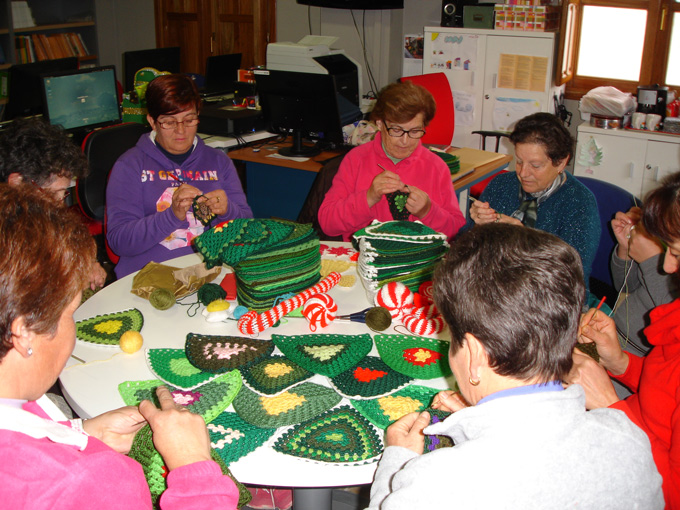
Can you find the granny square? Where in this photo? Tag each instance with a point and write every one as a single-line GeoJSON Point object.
{"type": "Point", "coordinates": [369, 378]}
{"type": "Point", "coordinates": [340, 436]}
{"type": "Point", "coordinates": [327, 355]}
{"type": "Point", "coordinates": [296, 405]}
{"type": "Point", "coordinates": [107, 329]}
{"type": "Point", "coordinates": [172, 367]}
{"type": "Point", "coordinates": [208, 400]}
{"type": "Point", "coordinates": [218, 354]}
{"type": "Point", "coordinates": [233, 438]}
{"type": "Point", "coordinates": [415, 356]}
{"type": "Point", "coordinates": [435, 442]}
{"type": "Point", "coordinates": [397, 203]}
{"type": "Point", "coordinates": [273, 375]}
{"type": "Point", "coordinates": [386, 410]}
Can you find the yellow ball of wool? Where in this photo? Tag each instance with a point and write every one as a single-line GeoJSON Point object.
{"type": "Point", "coordinates": [131, 341]}
{"type": "Point", "coordinates": [218, 305]}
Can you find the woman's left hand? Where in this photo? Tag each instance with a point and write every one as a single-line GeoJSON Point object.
{"type": "Point", "coordinates": [407, 432]}
{"type": "Point", "coordinates": [116, 428]}
{"type": "Point", "coordinates": [217, 200]}
{"type": "Point", "coordinates": [418, 202]}
{"type": "Point", "coordinates": [593, 378]}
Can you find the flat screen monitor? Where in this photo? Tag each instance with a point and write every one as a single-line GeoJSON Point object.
{"type": "Point", "coordinates": [305, 105]}
{"type": "Point", "coordinates": [82, 100]}
{"type": "Point", "coordinates": [355, 4]}
{"type": "Point", "coordinates": [162, 59]}
{"type": "Point", "coordinates": [220, 73]}
{"type": "Point", "coordinates": [25, 85]}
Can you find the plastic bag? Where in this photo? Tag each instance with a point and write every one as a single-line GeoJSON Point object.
{"type": "Point", "coordinates": [607, 101]}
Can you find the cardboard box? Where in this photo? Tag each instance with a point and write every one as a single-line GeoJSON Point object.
{"type": "Point", "coordinates": [478, 16]}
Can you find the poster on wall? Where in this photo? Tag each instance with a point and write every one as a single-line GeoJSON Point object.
{"type": "Point", "coordinates": [413, 55]}
{"type": "Point", "coordinates": [522, 72]}
{"type": "Point", "coordinates": [465, 108]}
{"type": "Point", "coordinates": [451, 51]}
{"type": "Point", "coordinates": [508, 110]}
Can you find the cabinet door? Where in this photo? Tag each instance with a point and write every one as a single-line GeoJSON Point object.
{"type": "Point", "coordinates": [662, 158]}
{"type": "Point", "coordinates": [616, 159]}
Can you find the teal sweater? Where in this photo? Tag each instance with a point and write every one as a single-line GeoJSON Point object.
{"type": "Point", "coordinates": [570, 213]}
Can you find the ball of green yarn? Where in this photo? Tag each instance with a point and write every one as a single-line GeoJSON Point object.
{"type": "Point", "coordinates": [162, 299]}
{"type": "Point", "coordinates": [209, 292]}
{"type": "Point", "coordinates": [378, 318]}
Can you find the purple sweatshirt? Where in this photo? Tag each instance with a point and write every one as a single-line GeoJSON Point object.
{"type": "Point", "coordinates": [140, 224]}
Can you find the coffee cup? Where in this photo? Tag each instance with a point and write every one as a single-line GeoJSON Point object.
{"type": "Point", "coordinates": [638, 120]}
{"type": "Point", "coordinates": [652, 121]}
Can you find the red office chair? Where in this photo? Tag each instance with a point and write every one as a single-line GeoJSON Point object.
{"type": "Point", "coordinates": [440, 129]}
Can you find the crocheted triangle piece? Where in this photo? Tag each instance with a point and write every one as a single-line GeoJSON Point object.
{"type": "Point", "coordinates": [296, 405]}
{"type": "Point", "coordinates": [273, 375]}
{"type": "Point", "coordinates": [435, 442]}
{"type": "Point", "coordinates": [370, 378]}
{"type": "Point", "coordinates": [327, 355]}
{"type": "Point", "coordinates": [415, 356]}
{"type": "Point", "coordinates": [232, 438]}
{"type": "Point", "coordinates": [339, 436]}
{"type": "Point", "coordinates": [208, 400]}
{"type": "Point", "coordinates": [172, 367]}
{"type": "Point", "coordinates": [397, 203]}
{"type": "Point", "coordinates": [144, 452]}
{"type": "Point", "coordinates": [107, 329]}
{"type": "Point", "coordinates": [218, 354]}
{"type": "Point", "coordinates": [386, 410]}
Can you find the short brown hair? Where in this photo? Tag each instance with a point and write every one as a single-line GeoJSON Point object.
{"type": "Point", "coordinates": [46, 255]}
{"type": "Point", "coordinates": [661, 210]}
{"type": "Point", "coordinates": [546, 130]}
{"type": "Point", "coordinates": [402, 101]}
{"type": "Point", "coordinates": [169, 94]}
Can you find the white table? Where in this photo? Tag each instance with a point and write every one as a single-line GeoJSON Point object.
{"type": "Point", "coordinates": [90, 380]}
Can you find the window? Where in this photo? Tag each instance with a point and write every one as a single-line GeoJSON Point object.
{"type": "Point", "coordinates": [622, 43]}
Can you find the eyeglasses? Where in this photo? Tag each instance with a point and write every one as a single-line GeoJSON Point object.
{"type": "Point", "coordinates": [398, 132]}
{"type": "Point", "coordinates": [172, 123]}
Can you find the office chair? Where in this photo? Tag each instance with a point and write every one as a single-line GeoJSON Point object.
{"type": "Point", "coordinates": [440, 130]}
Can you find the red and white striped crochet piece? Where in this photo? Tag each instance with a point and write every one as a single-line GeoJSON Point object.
{"type": "Point", "coordinates": [319, 310]}
{"type": "Point", "coordinates": [396, 297]}
{"type": "Point", "coordinates": [424, 321]}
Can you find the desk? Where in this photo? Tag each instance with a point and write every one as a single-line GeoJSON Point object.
{"type": "Point", "coordinates": [92, 387]}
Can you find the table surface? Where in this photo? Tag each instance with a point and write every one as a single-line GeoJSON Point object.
{"type": "Point", "coordinates": [90, 380]}
{"type": "Point", "coordinates": [263, 154]}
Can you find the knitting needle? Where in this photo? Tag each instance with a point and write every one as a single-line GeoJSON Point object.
{"type": "Point", "coordinates": [599, 305]}
{"type": "Point", "coordinates": [384, 170]}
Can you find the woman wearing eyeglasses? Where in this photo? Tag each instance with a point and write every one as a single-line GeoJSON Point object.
{"type": "Point", "coordinates": [154, 186]}
{"type": "Point", "coordinates": [393, 162]}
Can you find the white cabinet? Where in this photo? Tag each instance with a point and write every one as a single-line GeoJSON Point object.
{"type": "Point", "coordinates": [496, 76]}
{"type": "Point", "coordinates": [633, 160]}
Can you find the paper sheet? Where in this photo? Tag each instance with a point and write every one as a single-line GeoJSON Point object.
{"type": "Point", "coordinates": [464, 104]}
{"type": "Point", "coordinates": [451, 51]}
{"type": "Point", "coordinates": [522, 72]}
{"type": "Point", "coordinates": [508, 110]}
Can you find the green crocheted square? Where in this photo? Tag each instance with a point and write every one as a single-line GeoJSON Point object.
{"type": "Point", "coordinates": [273, 375]}
{"type": "Point", "coordinates": [417, 357]}
{"type": "Point", "coordinates": [295, 405]}
{"type": "Point", "coordinates": [370, 378]}
{"type": "Point", "coordinates": [172, 367]}
{"type": "Point", "coordinates": [107, 329]}
{"type": "Point", "coordinates": [384, 411]}
{"type": "Point", "coordinates": [339, 436]}
{"type": "Point", "coordinates": [218, 354]}
{"type": "Point", "coordinates": [327, 355]}
{"type": "Point", "coordinates": [435, 441]}
{"type": "Point", "coordinates": [232, 438]}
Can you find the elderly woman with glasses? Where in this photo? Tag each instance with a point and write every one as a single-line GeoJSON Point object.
{"type": "Point", "coordinates": [393, 176]}
{"type": "Point", "coordinates": [156, 187]}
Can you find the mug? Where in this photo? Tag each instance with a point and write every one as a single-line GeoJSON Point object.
{"type": "Point", "coordinates": [638, 120]}
{"type": "Point", "coordinates": [652, 121]}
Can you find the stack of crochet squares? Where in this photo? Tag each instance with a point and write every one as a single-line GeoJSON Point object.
{"type": "Point", "coordinates": [270, 257]}
{"type": "Point", "coordinates": [404, 251]}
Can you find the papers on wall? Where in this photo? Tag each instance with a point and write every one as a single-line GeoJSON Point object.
{"type": "Point", "coordinates": [508, 110]}
{"type": "Point", "coordinates": [451, 51]}
{"type": "Point", "coordinates": [413, 55]}
{"type": "Point", "coordinates": [464, 104]}
{"type": "Point", "coordinates": [522, 72]}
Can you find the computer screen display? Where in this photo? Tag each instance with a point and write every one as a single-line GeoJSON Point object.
{"type": "Point", "coordinates": [25, 85]}
{"type": "Point", "coordinates": [221, 72]}
{"type": "Point", "coordinates": [162, 59]}
{"type": "Point", "coordinates": [83, 99]}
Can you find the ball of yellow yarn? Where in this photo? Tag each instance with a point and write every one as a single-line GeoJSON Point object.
{"type": "Point", "coordinates": [131, 341]}
{"type": "Point", "coordinates": [218, 305]}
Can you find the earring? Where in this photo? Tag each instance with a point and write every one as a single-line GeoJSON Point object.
{"type": "Point", "coordinates": [29, 351]}
{"type": "Point", "coordinates": [474, 382]}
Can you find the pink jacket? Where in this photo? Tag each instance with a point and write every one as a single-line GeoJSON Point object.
{"type": "Point", "coordinates": [345, 208]}
{"type": "Point", "coordinates": [44, 474]}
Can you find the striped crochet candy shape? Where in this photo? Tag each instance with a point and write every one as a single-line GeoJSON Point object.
{"type": "Point", "coordinates": [339, 436]}
{"type": "Point", "coordinates": [370, 378]}
{"type": "Point", "coordinates": [417, 357]}
{"type": "Point", "coordinates": [328, 355]}
{"type": "Point", "coordinates": [208, 400]}
{"type": "Point", "coordinates": [218, 354]}
{"type": "Point", "coordinates": [273, 375]}
{"type": "Point", "coordinates": [232, 438]}
{"type": "Point", "coordinates": [384, 411]}
{"type": "Point", "coordinates": [107, 329]}
{"type": "Point", "coordinates": [296, 405]}
{"type": "Point", "coordinates": [435, 442]}
{"type": "Point", "coordinates": [172, 367]}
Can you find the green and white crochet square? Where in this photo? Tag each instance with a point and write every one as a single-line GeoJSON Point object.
{"type": "Point", "coordinates": [370, 378]}
{"type": "Point", "coordinates": [384, 411]}
{"type": "Point", "coordinates": [232, 438]}
{"type": "Point", "coordinates": [218, 354]}
{"type": "Point", "coordinates": [273, 375]}
{"type": "Point", "coordinates": [106, 330]}
{"type": "Point", "coordinates": [415, 356]}
{"type": "Point", "coordinates": [173, 368]}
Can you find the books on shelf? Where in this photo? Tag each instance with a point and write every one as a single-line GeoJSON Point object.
{"type": "Point", "coordinates": [22, 16]}
{"type": "Point", "coordinates": [35, 47]}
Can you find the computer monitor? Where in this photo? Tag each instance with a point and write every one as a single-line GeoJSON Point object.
{"type": "Point", "coordinates": [305, 105]}
{"type": "Point", "coordinates": [220, 73]}
{"type": "Point", "coordinates": [25, 85]}
{"type": "Point", "coordinates": [82, 100]}
{"type": "Point", "coordinates": [162, 59]}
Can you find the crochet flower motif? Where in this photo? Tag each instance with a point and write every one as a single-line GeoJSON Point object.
{"type": "Point", "coordinates": [339, 251]}
{"type": "Point", "coordinates": [421, 356]}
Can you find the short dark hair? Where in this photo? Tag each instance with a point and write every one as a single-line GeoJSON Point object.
{"type": "Point", "coordinates": [548, 131]}
{"type": "Point", "coordinates": [519, 291]}
{"type": "Point", "coordinates": [661, 210]}
{"type": "Point", "coordinates": [39, 152]}
{"type": "Point", "coordinates": [169, 94]}
{"type": "Point", "coordinates": [46, 254]}
{"type": "Point", "coordinates": [402, 101]}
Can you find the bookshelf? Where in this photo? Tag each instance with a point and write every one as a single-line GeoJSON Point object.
{"type": "Point", "coordinates": [62, 28]}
